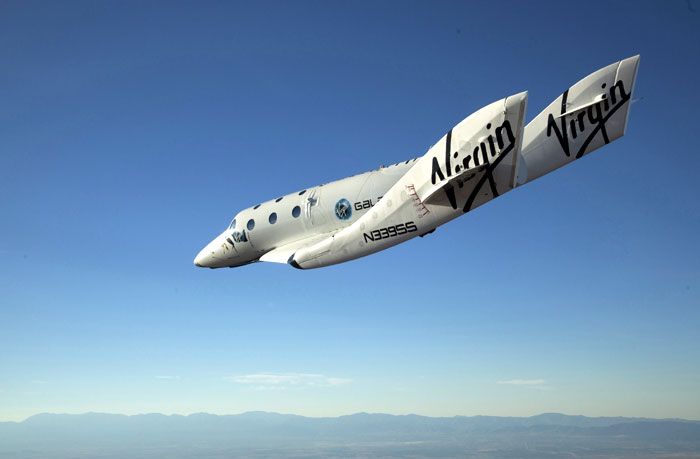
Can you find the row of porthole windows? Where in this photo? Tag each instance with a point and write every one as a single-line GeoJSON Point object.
{"type": "Point", "coordinates": [273, 218]}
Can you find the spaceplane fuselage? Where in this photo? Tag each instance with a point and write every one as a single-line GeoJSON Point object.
{"type": "Point", "coordinates": [487, 154]}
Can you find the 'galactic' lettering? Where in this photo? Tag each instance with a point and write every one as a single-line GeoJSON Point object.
{"type": "Point", "coordinates": [366, 204]}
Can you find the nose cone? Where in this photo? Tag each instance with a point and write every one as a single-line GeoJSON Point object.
{"type": "Point", "coordinates": [214, 254]}
{"type": "Point", "coordinates": [204, 258]}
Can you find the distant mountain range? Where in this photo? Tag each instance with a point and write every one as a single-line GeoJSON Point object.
{"type": "Point", "coordinates": [261, 434]}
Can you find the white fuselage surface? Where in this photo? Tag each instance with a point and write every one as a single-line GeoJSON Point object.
{"type": "Point", "coordinates": [313, 212]}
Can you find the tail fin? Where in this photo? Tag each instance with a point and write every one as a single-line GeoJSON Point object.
{"type": "Point", "coordinates": [590, 114]}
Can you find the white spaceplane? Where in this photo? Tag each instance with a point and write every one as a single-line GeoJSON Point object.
{"type": "Point", "coordinates": [484, 156]}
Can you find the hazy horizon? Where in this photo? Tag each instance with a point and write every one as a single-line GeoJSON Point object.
{"type": "Point", "coordinates": [346, 415]}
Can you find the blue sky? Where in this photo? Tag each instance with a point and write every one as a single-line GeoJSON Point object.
{"type": "Point", "coordinates": [131, 132]}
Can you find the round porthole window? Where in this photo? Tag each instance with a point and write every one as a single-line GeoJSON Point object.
{"type": "Point", "coordinates": [251, 224]}
{"type": "Point", "coordinates": [296, 211]}
{"type": "Point", "coordinates": [273, 218]}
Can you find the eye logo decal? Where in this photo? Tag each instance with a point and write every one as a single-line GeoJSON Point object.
{"type": "Point", "coordinates": [343, 209]}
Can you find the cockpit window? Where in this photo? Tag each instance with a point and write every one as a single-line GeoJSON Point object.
{"type": "Point", "coordinates": [239, 236]}
{"type": "Point", "coordinates": [251, 224]}
{"type": "Point", "coordinates": [233, 224]}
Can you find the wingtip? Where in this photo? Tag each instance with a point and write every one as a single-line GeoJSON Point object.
{"type": "Point", "coordinates": [520, 97]}
{"type": "Point", "coordinates": [634, 59]}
